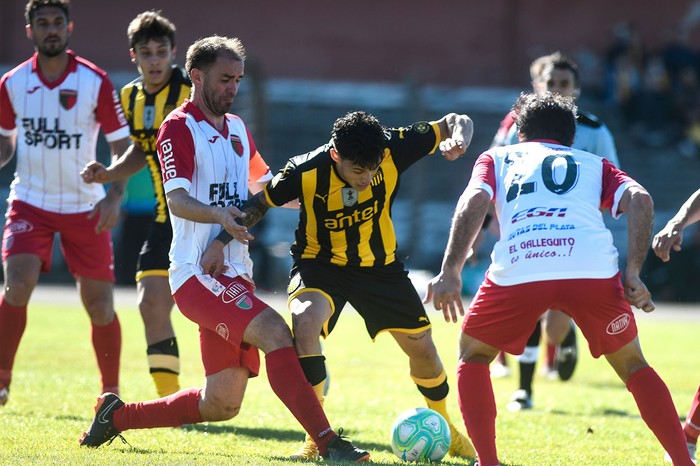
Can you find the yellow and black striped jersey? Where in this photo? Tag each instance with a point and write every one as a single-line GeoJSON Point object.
{"type": "Point", "coordinates": [145, 112]}
{"type": "Point", "coordinates": [338, 224]}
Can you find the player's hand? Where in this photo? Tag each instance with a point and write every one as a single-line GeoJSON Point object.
{"type": "Point", "coordinates": [108, 211]}
{"type": "Point", "coordinates": [94, 172]}
{"type": "Point", "coordinates": [212, 262]}
{"type": "Point", "coordinates": [452, 148]}
{"type": "Point", "coordinates": [637, 294]}
{"type": "Point", "coordinates": [669, 238]}
{"type": "Point", "coordinates": [445, 291]}
{"type": "Point", "coordinates": [227, 219]}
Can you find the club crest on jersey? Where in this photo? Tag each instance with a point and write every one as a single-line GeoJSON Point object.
{"type": "Point", "coordinates": [349, 196]}
{"type": "Point", "coordinates": [149, 116]}
{"type": "Point", "coordinates": [244, 302]}
{"type": "Point", "coordinates": [237, 145]}
{"type": "Point", "coordinates": [68, 98]}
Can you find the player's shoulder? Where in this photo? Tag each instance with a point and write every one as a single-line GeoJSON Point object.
{"type": "Point", "coordinates": [87, 65]}
{"type": "Point", "coordinates": [315, 159]}
{"type": "Point", "coordinates": [25, 65]}
{"type": "Point", "coordinates": [588, 120]}
{"type": "Point", "coordinates": [134, 84]}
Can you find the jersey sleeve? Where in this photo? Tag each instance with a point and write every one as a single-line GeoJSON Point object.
{"type": "Point", "coordinates": [258, 170]}
{"type": "Point", "coordinates": [109, 112]}
{"type": "Point", "coordinates": [8, 125]}
{"type": "Point", "coordinates": [615, 182]}
{"type": "Point", "coordinates": [408, 145]}
{"type": "Point", "coordinates": [484, 175]}
{"type": "Point", "coordinates": [176, 154]}
{"type": "Point", "coordinates": [285, 186]}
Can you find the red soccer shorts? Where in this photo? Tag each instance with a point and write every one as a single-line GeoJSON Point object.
{"type": "Point", "coordinates": [504, 316]}
{"type": "Point", "coordinates": [30, 230]}
{"type": "Point", "coordinates": [222, 307]}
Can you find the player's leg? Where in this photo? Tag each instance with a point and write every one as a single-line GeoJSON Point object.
{"type": "Point", "coordinates": [155, 304]}
{"type": "Point", "coordinates": [310, 310]}
{"type": "Point", "coordinates": [430, 378]}
{"type": "Point", "coordinates": [605, 318]}
{"type": "Point", "coordinates": [26, 251]}
{"type": "Point", "coordinates": [98, 299]}
{"type": "Point", "coordinates": [21, 276]}
{"type": "Point", "coordinates": [653, 400]}
{"type": "Point", "coordinates": [388, 302]}
{"type": "Point", "coordinates": [475, 395]}
{"type": "Point", "coordinates": [561, 332]}
{"type": "Point", "coordinates": [691, 427]}
{"type": "Point", "coordinates": [527, 362]}
{"type": "Point", "coordinates": [90, 259]}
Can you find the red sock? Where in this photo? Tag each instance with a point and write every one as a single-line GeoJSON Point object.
{"type": "Point", "coordinates": [692, 422]}
{"type": "Point", "coordinates": [478, 407]}
{"type": "Point", "coordinates": [551, 356]}
{"type": "Point", "coordinates": [171, 411]}
{"type": "Point", "coordinates": [290, 385]}
{"type": "Point", "coordinates": [107, 341]}
{"type": "Point", "coordinates": [13, 321]}
{"type": "Point", "coordinates": [657, 409]}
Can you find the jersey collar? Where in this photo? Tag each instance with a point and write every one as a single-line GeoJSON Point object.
{"type": "Point", "coordinates": [198, 115]}
{"type": "Point", "coordinates": [71, 68]}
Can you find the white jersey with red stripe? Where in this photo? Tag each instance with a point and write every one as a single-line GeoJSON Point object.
{"type": "Point", "coordinates": [57, 124]}
{"type": "Point", "coordinates": [214, 168]}
{"type": "Point", "coordinates": [548, 199]}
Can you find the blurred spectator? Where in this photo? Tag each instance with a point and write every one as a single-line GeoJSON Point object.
{"type": "Point", "coordinates": [624, 65]}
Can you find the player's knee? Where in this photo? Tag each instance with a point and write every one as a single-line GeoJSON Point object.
{"type": "Point", "coordinates": [306, 326]}
{"type": "Point", "coordinates": [219, 408]}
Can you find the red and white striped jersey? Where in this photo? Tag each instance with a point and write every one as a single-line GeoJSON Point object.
{"type": "Point", "coordinates": [57, 124]}
{"type": "Point", "coordinates": [215, 168]}
{"type": "Point", "coordinates": [548, 199]}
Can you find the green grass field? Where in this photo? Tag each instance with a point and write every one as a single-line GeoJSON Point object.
{"type": "Point", "coordinates": [590, 420]}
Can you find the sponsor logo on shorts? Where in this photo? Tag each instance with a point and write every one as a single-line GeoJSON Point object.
{"type": "Point", "coordinates": [618, 325]}
{"type": "Point", "coordinates": [19, 226]}
{"type": "Point", "coordinates": [233, 292]}
{"type": "Point", "coordinates": [222, 330]}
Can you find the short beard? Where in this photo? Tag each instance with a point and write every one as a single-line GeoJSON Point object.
{"type": "Point", "coordinates": [52, 52]}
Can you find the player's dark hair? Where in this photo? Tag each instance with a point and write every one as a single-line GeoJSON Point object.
{"type": "Point", "coordinates": [34, 5]}
{"type": "Point", "coordinates": [150, 25]}
{"type": "Point", "coordinates": [204, 52]}
{"type": "Point", "coordinates": [360, 138]}
{"type": "Point", "coordinates": [559, 61]}
{"type": "Point", "coordinates": [546, 116]}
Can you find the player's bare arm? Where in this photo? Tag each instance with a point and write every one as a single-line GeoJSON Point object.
{"type": "Point", "coordinates": [182, 205]}
{"type": "Point", "coordinates": [456, 133]}
{"type": "Point", "coordinates": [445, 290]}
{"type": "Point", "coordinates": [639, 207]}
{"type": "Point", "coordinates": [7, 148]}
{"type": "Point", "coordinates": [109, 208]}
{"type": "Point", "coordinates": [133, 160]}
{"type": "Point", "coordinates": [671, 236]}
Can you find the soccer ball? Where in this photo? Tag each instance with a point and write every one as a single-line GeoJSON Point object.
{"type": "Point", "coordinates": [420, 434]}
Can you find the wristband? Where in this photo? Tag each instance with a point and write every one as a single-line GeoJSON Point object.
{"type": "Point", "coordinates": [224, 237]}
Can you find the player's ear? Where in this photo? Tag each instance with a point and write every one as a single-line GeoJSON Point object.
{"type": "Point", "coordinates": [132, 54]}
{"type": "Point", "coordinates": [334, 155]}
{"type": "Point", "coordinates": [196, 76]}
{"type": "Point", "coordinates": [30, 33]}
{"type": "Point", "coordinates": [70, 28]}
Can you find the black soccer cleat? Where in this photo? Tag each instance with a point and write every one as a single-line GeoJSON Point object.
{"type": "Point", "coordinates": [340, 449]}
{"type": "Point", "coordinates": [102, 428]}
